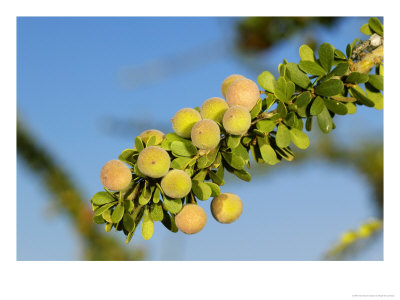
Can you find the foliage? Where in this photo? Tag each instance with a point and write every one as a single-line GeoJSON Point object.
{"type": "Point", "coordinates": [316, 89]}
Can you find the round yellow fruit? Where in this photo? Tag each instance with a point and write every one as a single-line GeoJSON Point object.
{"type": "Point", "coordinates": [145, 135]}
{"type": "Point", "coordinates": [115, 175]}
{"type": "Point", "coordinates": [213, 109]}
{"type": "Point", "coordinates": [243, 92]}
{"type": "Point", "coordinates": [206, 134]}
{"type": "Point", "coordinates": [176, 184]}
{"type": "Point", "coordinates": [226, 208]}
{"type": "Point", "coordinates": [154, 162]}
{"type": "Point", "coordinates": [237, 120]}
{"type": "Point", "coordinates": [191, 219]}
{"type": "Point", "coordinates": [184, 120]}
{"type": "Point", "coordinates": [227, 82]}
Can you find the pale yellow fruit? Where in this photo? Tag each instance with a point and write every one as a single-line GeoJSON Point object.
{"type": "Point", "coordinates": [206, 134]}
{"type": "Point", "coordinates": [191, 219]}
{"type": "Point", "coordinates": [115, 175]}
{"type": "Point", "coordinates": [227, 82]}
{"type": "Point", "coordinates": [226, 208]}
{"type": "Point", "coordinates": [237, 120]}
{"type": "Point", "coordinates": [145, 135]}
{"type": "Point", "coordinates": [176, 184]}
{"type": "Point", "coordinates": [213, 109]}
{"type": "Point", "coordinates": [154, 162]}
{"type": "Point", "coordinates": [184, 120]}
{"type": "Point", "coordinates": [243, 92]}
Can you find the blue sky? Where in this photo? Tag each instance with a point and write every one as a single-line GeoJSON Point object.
{"type": "Point", "coordinates": [73, 84]}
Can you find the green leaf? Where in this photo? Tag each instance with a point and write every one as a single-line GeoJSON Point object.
{"type": "Point", "coordinates": [118, 213]}
{"type": "Point", "coordinates": [103, 208]}
{"type": "Point", "coordinates": [147, 225]}
{"type": "Point", "coordinates": [180, 162]}
{"type": "Point", "coordinates": [306, 53]}
{"type": "Point", "coordinates": [291, 119]}
{"type": "Point", "coordinates": [102, 198]}
{"type": "Point", "coordinates": [282, 110]}
{"type": "Point", "coordinates": [201, 190]}
{"type": "Point", "coordinates": [233, 141]}
{"type": "Point", "coordinates": [267, 152]}
{"type": "Point", "coordinates": [215, 190]}
{"type": "Point", "coordinates": [267, 81]}
{"type": "Point", "coordinates": [216, 177]}
{"type": "Point", "coordinates": [156, 195]}
{"type": "Point", "coordinates": [317, 106]}
{"type": "Point", "coordinates": [374, 95]}
{"type": "Point", "coordinates": [234, 160]}
{"type": "Point", "coordinates": [349, 49]}
{"type": "Point", "coordinates": [172, 205]}
{"type": "Point", "coordinates": [242, 152]}
{"type": "Point", "coordinates": [366, 30]}
{"type": "Point", "coordinates": [107, 215]}
{"type": "Point", "coordinates": [242, 174]}
{"type": "Point", "coordinates": [129, 206]}
{"type": "Point", "coordinates": [169, 222]}
{"type": "Point", "coordinates": [299, 138]}
{"type": "Point", "coordinates": [156, 212]}
{"type": "Point", "coordinates": [265, 126]}
{"type": "Point", "coordinates": [280, 89]}
{"type": "Point", "coordinates": [290, 89]}
{"type": "Point", "coordinates": [312, 68]}
{"type": "Point", "coordinates": [326, 56]}
{"type": "Point", "coordinates": [151, 141]}
{"type": "Point", "coordinates": [128, 156]}
{"type": "Point", "coordinates": [98, 219]}
{"type": "Point", "coordinates": [297, 76]}
{"type": "Point", "coordinates": [303, 99]}
{"type": "Point", "coordinates": [269, 101]}
{"type": "Point", "coordinates": [207, 160]}
{"type": "Point", "coordinates": [309, 122]}
{"type": "Point", "coordinates": [256, 109]}
{"type": "Point", "coordinates": [139, 144]}
{"type": "Point", "coordinates": [282, 136]}
{"type": "Point", "coordinates": [325, 121]}
{"type": "Point", "coordinates": [376, 81]}
{"type": "Point", "coordinates": [329, 88]}
{"type": "Point", "coordinates": [183, 149]}
{"type": "Point", "coordinates": [339, 54]}
{"type": "Point", "coordinates": [335, 106]}
{"type": "Point", "coordinates": [356, 77]}
{"type": "Point", "coordinates": [357, 92]}
{"type": "Point", "coordinates": [351, 108]}
{"type": "Point", "coordinates": [376, 26]}
{"type": "Point", "coordinates": [128, 222]}
{"type": "Point", "coordinates": [340, 69]}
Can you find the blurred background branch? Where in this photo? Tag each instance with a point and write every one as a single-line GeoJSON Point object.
{"type": "Point", "coordinates": [69, 200]}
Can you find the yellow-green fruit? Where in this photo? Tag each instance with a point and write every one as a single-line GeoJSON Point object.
{"type": "Point", "coordinates": [243, 92]}
{"type": "Point", "coordinates": [176, 184]}
{"type": "Point", "coordinates": [213, 109]}
{"type": "Point", "coordinates": [226, 208]}
{"type": "Point", "coordinates": [154, 162]}
{"type": "Point", "coordinates": [237, 120]}
{"type": "Point", "coordinates": [145, 135]}
{"type": "Point", "coordinates": [227, 82]}
{"type": "Point", "coordinates": [115, 175]}
{"type": "Point", "coordinates": [184, 120]}
{"type": "Point", "coordinates": [206, 134]}
{"type": "Point", "coordinates": [191, 219]}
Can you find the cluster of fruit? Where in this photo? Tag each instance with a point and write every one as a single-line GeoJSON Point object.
{"type": "Point", "coordinates": [168, 173]}
{"type": "Point", "coordinates": [156, 168]}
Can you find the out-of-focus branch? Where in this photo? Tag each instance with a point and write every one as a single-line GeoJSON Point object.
{"type": "Point", "coordinates": [70, 200]}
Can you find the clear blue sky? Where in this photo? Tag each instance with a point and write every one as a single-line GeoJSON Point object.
{"type": "Point", "coordinates": [73, 85]}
